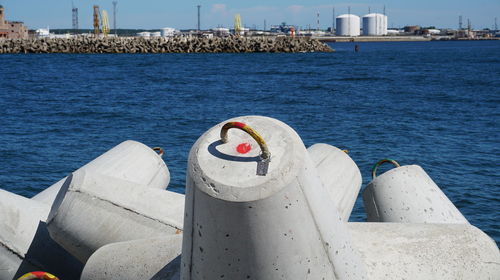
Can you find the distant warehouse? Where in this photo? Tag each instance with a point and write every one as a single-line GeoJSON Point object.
{"type": "Point", "coordinates": [11, 29]}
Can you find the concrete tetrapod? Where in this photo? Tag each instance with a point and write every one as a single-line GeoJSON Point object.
{"type": "Point", "coordinates": [25, 244]}
{"type": "Point", "coordinates": [93, 210]}
{"type": "Point", "coordinates": [340, 176]}
{"type": "Point", "coordinates": [407, 194]}
{"type": "Point", "coordinates": [426, 251]}
{"type": "Point", "coordinates": [130, 160]}
{"type": "Point", "coordinates": [156, 258]}
{"type": "Point", "coordinates": [281, 225]}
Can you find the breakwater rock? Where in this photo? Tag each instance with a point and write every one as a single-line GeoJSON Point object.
{"type": "Point", "coordinates": [163, 45]}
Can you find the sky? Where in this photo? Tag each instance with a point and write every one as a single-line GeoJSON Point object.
{"type": "Point", "coordinates": [155, 14]}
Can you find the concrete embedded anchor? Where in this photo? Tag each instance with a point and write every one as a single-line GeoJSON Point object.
{"type": "Point", "coordinates": [265, 156]}
{"type": "Point", "coordinates": [339, 174]}
{"type": "Point", "coordinates": [238, 225]}
{"type": "Point", "coordinates": [130, 160]}
{"type": "Point", "coordinates": [406, 194]}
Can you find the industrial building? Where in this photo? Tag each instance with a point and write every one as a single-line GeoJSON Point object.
{"type": "Point", "coordinates": [348, 25]}
{"type": "Point", "coordinates": [11, 29]}
{"type": "Point", "coordinates": [374, 24]}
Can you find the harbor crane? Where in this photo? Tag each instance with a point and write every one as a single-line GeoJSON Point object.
{"type": "Point", "coordinates": [104, 23]}
{"type": "Point", "coordinates": [237, 25]}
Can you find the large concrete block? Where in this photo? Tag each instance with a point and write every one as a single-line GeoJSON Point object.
{"type": "Point", "coordinates": [130, 160]}
{"type": "Point", "coordinates": [281, 225]}
{"type": "Point", "coordinates": [408, 195]}
{"type": "Point", "coordinates": [25, 244]}
{"type": "Point", "coordinates": [339, 174]}
{"type": "Point", "coordinates": [94, 210]}
{"type": "Point", "coordinates": [19, 219]}
{"type": "Point", "coordinates": [426, 251]}
{"type": "Point", "coordinates": [157, 258]}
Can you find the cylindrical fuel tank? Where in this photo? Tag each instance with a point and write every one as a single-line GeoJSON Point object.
{"type": "Point", "coordinates": [339, 174]}
{"type": "Point", "coordinates": [407, 194]}
{"type": "Point", "coordinates": [93, 210]}
{"type": "Point", "coordinates": [130, 160]}
{"type": "Point", "coordinates": [245, 222]}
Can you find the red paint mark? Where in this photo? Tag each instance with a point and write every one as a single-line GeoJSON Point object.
{"type": "Point", "coordinates": [243, 148]}
{"type": "Point", "coordinates": [38, 274]}
{"type": "Point", "coordinates": [239, 124]}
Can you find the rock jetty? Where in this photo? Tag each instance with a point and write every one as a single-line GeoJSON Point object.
{"type": "Point", "coordinates": [164, 45]}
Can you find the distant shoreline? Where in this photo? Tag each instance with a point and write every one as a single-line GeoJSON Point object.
{"type": "Point", "coordinates": [336, 39]}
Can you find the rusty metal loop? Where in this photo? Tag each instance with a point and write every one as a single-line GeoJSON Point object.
{"type": "Point", "coordinates": [159, 150]}
{"type": "Point", "coordinates": [265, 154]}
{"type": "Point", "coordinates": [38, 275]}
{"type": "Point", "coordinates": [380, 162]}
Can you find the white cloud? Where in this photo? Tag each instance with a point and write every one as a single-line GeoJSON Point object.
{"type": "Point", "coordinates": [219, 8]}
{"type": "Point", "coordinates": [295, 9]}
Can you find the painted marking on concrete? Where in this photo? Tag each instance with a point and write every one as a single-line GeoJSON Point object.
{"type": "Point", "coordinates": [243, 148]}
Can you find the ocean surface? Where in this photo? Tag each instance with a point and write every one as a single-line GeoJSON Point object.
{"type": "Point", "coordinates": [435, 104]}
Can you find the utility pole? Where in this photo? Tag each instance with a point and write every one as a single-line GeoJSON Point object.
{"type": "Point", "coordinates": [460, 22]}
{"type": "Point", "coordinates": [265, 25]}
{"type": "Point", "coordinates": [469, 29]}
{"type": "Point", "coordinates": [496, 25]}
{"type": "Point", "coordinates": [199, 6]}
{"type": "Point", "coordinates": [75, 18]}
{"type": "Point", "coordinates": [369, 10]}
{"type": "Point", "coordinates": [114, 16]}
{"type": "Point", "coordinates": [384, 11]}
{"type": "Point", "coordinates": [317, 21]}
{"type": "Point", "coordinates": [333, 19]}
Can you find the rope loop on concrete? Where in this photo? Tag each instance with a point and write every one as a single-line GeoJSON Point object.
{"type": "Point", "coordinates": [38, 275]}
{"type": "Point", "coordinates": [380, 162]}
{"type": "Point", "coordinates": [159, 150]}
{"type": "Point", "coordinates": [265, 154]}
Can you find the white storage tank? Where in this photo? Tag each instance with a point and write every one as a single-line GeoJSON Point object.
{"type": "Point", "coordinates": [374, 24]}
{"type": "Point", "coordinates": [144, 34]}
{"type": "Point", "coordinates": [168, 32]}
{"type": "Point", "coordinates": [348, 25]}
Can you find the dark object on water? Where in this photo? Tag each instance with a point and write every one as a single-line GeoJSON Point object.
{"type": "Point", "coordinates": [356, 48]}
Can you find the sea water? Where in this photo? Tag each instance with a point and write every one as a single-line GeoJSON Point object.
{"type": "Point", "coordinates": [435, 104]}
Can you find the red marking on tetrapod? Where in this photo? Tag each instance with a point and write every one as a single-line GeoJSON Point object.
{"type": "Point", "coordinates": [243, 148]}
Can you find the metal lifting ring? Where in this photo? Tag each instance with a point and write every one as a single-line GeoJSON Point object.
{"type": "Point", "coordinates": [38, 275]}
{"type": "Point", "coordinates": [159, 150]}
{"type": "Point", "coordinates": [256, 136]}
{"type": "Point", "coordinates": [380, 162]}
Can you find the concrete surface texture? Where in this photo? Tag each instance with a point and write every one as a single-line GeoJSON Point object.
{"type": "Point", "coordinates": [130, 160]}
{"type": "Point", "coordinates": [426, 251]}
{"type": "Point", "coordinates": [339, 174]}
{"type": "Point", "coordinates": [95, 210]}
{"type": "Point", "coordinates": [25, 244]}
{"type": "Point", "coordinates": [156, 258]}
{"type": "Point", "coordinates": [239, 225]}
{"type": "Point", "coordinates": [19, 218]}
{"type": "Point", "coordinates": [408, 195]}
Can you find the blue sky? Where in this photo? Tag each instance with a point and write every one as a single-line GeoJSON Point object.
{"type": "Point", "coordinates": [152, 14]}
